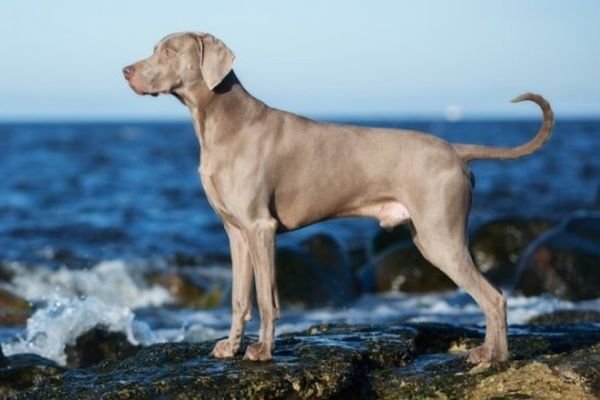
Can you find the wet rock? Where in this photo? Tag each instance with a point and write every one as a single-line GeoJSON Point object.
{"type": "Point", "coordinates": [325, 362]}
{"type": "Point", "coordinates": [99, 345]}
{"type": "Point", "coordinates": [185, 260]}
{"type": "Point", "coordinates": [384, 239]}
{"type": "Point", "coordinates": [403, 268]}
{"type": "Point", "coordinates": [14, 310]}
{"type": "Point", "coordinates": [10, 301]}
{"type": "Point", "coordinates": [25, 371]}
{"type": "Point", "coordinates": [443, 379]}
{"type": "Point", "coordinates": [193, 287]}
{"type": "Point", "coordinates": [497, 246]}
{"type": "Point", "coordinates": [6, 272]}
{"type": "Point", "coordinates": [350, 362]}
{"type": "Point", "coordinates": [542, 366]}
{"type": "Point", "coordinates": [315, 273]}
{"type": "Point", "coordinates": [565, 261]}
{"type": "Point", "coordinates": [358, 255]}
{"type": "Point", "coordinates": [566, 317]}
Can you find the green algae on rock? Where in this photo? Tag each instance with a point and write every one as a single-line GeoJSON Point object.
{"type": "Point", "coordinates": [564, 261]}
{"type": "Point", "coordinates": [407, 361]}
{"type": "Point", "coordinates": [498, 245]}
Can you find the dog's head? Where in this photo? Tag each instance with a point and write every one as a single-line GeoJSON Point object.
{"type": "Point", "coordinates": [179, 61]}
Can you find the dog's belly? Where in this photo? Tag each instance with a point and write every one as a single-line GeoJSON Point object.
{"type": "Point", "coordinates": [388, 211]}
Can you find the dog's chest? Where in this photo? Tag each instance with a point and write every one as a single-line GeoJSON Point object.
{"type": "Point", "coordinates": [219, 183]}
{"type": "Point", "coordinates": [215, 198]}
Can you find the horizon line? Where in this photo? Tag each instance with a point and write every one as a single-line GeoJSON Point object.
{"type": "Point", "coordinates": [338, 117]}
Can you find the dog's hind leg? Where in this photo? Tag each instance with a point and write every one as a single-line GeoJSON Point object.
{"type": "Point", "coordinates": [439, 232]}
{"type": "Point", "coordinates": [458, 265]}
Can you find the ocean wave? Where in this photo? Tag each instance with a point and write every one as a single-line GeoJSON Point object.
{"type": "Point", "coordinates": [113, 295]}
{"type": "Point", "coordinates": [112, 282]}
{"type": "Point", "coordinates": [57, 325]}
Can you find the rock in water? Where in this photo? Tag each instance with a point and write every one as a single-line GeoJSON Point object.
{"type": "Point", "coordinates": [385, 239]}
{"type": "Point", "coordinates": [315, 273]}
{"type": "Point", "coordinates": [349, 362]}
{"type": "Point", "coordinates": [566, 317]}
{"type": "Point", "coordinates": [99, 345]}
{"type": "Point", "coordinates": [403, 268]}
{"type": "Point", "coordinates": [190, 288]}
{"type": "Point", "coordinates": [565, 261]}
{"type": "Point", "coordinates": [25, 371]}
{"type": "Point", "coordinates": [497, 246]}
{"type": "Point", "coordinates": [14, 310]}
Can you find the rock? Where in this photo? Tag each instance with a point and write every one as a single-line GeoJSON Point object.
{"type": "Point", "coordinates": [350, 362]}
{"type": "Point", "coordinates": [99, 345]}
{"type": "Point", "coordinates": [565, 261]}
{"type": "Point", "coordinates": [384, 239]}
{"type": "Point", "coordinates": [403, 268]}
{"type": "Point", "coordinates": [497, 246]}
{"type": "Point", "coordinates": [25, 371]}
{"type": "Point", "coordinates": [358, 255]}
{"type": "Point", "coordinates": [566, 317]}
{"type": "Point", "coordinates": [325, 362]}
{"type": "Point", "coordinates": [10, 301]}
{"type": "Point", "coordinates": [315, 273]}
{"type": "Point", "coordinates": [14, 310]}
{"type": "Point", "coordinates": [191, 287]}
{"type": "Point", "coordinates": [6, 272]}
{"type": "Point", "coordinates": [542, 367]}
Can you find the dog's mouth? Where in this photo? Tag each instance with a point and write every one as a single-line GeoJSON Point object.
{"type": "Point", "coordinates": [142, 92]}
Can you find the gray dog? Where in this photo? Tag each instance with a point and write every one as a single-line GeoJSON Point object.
{"type": "Point", "coordinates": [267, 171]}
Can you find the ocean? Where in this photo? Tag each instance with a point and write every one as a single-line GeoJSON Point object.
{"type": "Point", "coordinates": [89, 210]}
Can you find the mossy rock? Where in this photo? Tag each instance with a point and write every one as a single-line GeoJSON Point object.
{"type": "Point", "coordinates": [316, 272]}
{"type": "Point", "coordinates": [25, 371]}
{"type": "Point", "coordinates": [403, 268]}
{"type": "Point", "coordinates": [323, 363]}
{"type": "Point", "coordinates": [543, 366]}
{"type": "Point", "coordinates": [498, 246]}
{"type": "Point", "coordinates": [190, 290]}
{"type": "Point", "coordinates": [14, 310]}
{"type": "Point", "coordinates": [408, 361]}
{"type": "Point", "coordinates": [385, 239]}
{"type": "Point", "coordinates": [97, 345]}
{"type": "Point", "coordinates": [566, 317]}
{"type": "Point", "coordinates": [565, 262]}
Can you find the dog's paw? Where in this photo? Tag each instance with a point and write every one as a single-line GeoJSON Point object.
{"type": "Point", "coordinates": [224, 349]}
{"type": "Point", "coordinates": [260, 351]}
{"type": "Point", "coordinates": [486, 354]}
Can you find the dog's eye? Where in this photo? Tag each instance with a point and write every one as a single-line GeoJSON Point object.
{"type": "Point", "coordinates": [168, 52]}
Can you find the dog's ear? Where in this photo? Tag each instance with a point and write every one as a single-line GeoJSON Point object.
{"type": "Point", "coordinates": [216, 59]}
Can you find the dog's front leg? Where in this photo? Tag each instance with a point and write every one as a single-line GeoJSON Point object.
{"type": "Point", "coordinates": [241, 303]}
{"type": "Point", "coordinates": [261, 242]}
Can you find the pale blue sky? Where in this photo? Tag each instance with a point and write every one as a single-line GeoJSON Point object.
{"type": "Point", "coordinates": [62, 58]}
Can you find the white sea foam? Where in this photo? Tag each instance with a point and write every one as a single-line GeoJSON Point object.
{"type": "Point", "coordinates": [113, 282]}
{"type": "Point", "coordinates": [450, 307]}
{"type": "Point", "coordinates": [108, 295]}
{"type": "Point", "coordinates": [51, 328]}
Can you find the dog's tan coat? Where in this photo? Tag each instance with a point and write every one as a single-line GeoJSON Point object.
{"type": "Point", "coordinates": [266, 171]}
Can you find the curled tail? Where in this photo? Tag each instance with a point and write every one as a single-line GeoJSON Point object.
{"type": "Point", "coordinates": [475, 152]}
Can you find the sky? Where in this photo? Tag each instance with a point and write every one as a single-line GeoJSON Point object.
{"type": "Point", "coordinates": [62, 59]}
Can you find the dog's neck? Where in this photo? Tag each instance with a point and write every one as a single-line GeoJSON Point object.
{"type": "Point", "coordinates": [202, 102]}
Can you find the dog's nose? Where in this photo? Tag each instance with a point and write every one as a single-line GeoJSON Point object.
{"type": "Point", "coordinates": [128, 71]}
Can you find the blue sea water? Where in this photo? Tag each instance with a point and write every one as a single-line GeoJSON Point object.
{"type": "Point", "coordinates": [87, 208]}
{"type": "Point", "coordinates": [87, 192]}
